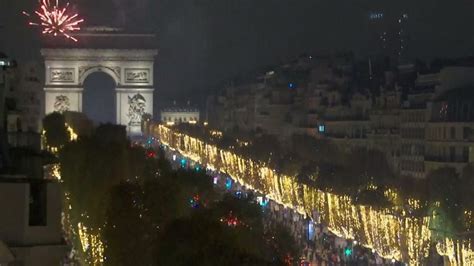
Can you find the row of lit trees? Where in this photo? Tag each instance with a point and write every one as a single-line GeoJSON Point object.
{"type": "Point", "coordinates": [145, 213]}
{"type": "Point", "coordinates": [362, 173]}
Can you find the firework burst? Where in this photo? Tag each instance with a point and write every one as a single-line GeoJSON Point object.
{"type": "Point", "coordinates": [54, 19]}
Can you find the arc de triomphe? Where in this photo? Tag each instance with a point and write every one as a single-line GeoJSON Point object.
{"type": "Point", "coordinates": [127, 58]}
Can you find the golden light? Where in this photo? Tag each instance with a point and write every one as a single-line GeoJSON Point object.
{"type": "Point", "coordinates": [391, 235]}
{"type": "Point", "coordinates": [90, 244]}
{"type": "Point", "coordinates": [56, 172]}
{"type": "Point", "coordinates": [72, 135]}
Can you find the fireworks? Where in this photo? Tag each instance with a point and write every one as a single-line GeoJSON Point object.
{"type": "Point", "coordinates": [54, 19]}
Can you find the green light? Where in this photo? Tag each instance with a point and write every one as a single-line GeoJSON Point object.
{"type": "Point", "coordinates": [348, 252]}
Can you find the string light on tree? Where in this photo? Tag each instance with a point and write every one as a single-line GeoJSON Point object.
{"type": "Point", "coordinates": [402, 237]}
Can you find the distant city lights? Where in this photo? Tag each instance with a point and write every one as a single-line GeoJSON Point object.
{"type": "Point", "coordinates": [375, 15]}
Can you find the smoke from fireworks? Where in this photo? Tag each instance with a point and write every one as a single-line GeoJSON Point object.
{"type": "Point", "coordinates": [55, 20]}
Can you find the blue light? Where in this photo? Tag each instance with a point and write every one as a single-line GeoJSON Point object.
{"type": "Point", "coordinates": [311, 232]}
{"type": "Point", "coordinates": [291, 85]}
{"type": "Point", "coordinates": [322, 128]}
{"type": "Point", "coordinates": [197, 168]}
{"type": "Point", "coordinates": [193, 203]}
{"type": "Point", "coordinates": [238, 194]}
{"type": "Point", "coordinates": [228, 183]}
{"type": "Point", "coordinates": [183, 162]}
{"type": "Point", "coordinates": [263, 201]}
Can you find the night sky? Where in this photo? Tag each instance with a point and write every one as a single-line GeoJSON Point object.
{"type": "Point", "coordinates": [202, 42]}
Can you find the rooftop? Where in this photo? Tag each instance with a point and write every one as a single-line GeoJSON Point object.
{"type": "Point", "coordinates": [4, 178]}
{"type": "Point", "coordinates": [103, 38]}
{"type": "Point", "coordinates": [179, 109]}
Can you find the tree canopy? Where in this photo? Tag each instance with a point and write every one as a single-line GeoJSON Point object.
{"type": "Point", "coordinates": [56, 132]}
{"type": "Point", "coordinates": [147, 213]}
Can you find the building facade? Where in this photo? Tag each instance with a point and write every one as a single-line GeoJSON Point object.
{"type": "Point", "coordinates": [30, 96]}
{"type": "Point", "coordinates": [399, 118]}
{"type": "Point", "coordinates": [174, 116]}
{"type": "Point", "coordinates": [67, 65]}
{"type": "Point", "coordinates": [31, 232]}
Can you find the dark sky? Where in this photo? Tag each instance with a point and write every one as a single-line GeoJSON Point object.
{"type": "Point", "coordinates": [202, 42]}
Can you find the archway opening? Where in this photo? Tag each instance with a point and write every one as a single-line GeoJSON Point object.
{"type": "Point", "coordinates": [98, 98]}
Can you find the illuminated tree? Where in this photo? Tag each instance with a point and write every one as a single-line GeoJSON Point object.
{"type": "Point", "coordinates": [127, 237]}
{"type": "Point", "coordinates": [56, 132]}
{"type": "Point", "coordinates": [444, 187]}
{"type": "Point", "coordinates": [205, 238]}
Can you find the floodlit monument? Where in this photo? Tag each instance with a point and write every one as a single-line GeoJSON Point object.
{"type": "Point", "coordinates": [128, 58]}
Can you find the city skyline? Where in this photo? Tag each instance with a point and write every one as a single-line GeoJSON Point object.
{"type": "Point", "coordinates": [237, 132]}
{"type": "Point", "coordinates": [196, 39]}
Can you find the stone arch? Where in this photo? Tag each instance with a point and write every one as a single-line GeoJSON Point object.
{"type": "Point", "coordinates": [86, 71]}
{"type": "Point", "coordinates": [99, 101]}
{"type": "Point", "coordinates": [131, 70]}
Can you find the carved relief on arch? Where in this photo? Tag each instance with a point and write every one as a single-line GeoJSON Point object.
{"type": "Point", "coordinates": [137, 75]}
{"type": "Point", "coordinates": [61, 75]}
{"type": "Point", "coordinates": [116, 70]}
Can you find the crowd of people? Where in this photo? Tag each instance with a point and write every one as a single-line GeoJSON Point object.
{"type": "Point", "coordinates": [318, 245]}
